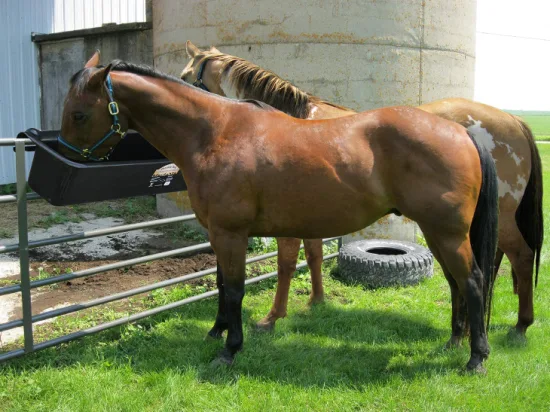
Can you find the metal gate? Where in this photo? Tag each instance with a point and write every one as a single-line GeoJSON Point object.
{"type": "Point", "coordinates": [26, 285]}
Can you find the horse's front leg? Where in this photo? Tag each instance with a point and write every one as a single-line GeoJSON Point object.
{"type": "Point", "coordinates": [221, 318]}
{"type": "Point", "coordinates": [230, 248]}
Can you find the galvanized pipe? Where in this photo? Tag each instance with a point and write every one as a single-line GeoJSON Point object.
{"type": "Point", "coordinates": [23, 243]}
{"type": "Point", "coordinates": [10, 141]}
{"type": "Point", "coordinates": [119, 265]}
{"type": "Point", "coordinates": [7, 290]}
{"type": "Point", "coordinates": [141, 315]}
{"type": "Point", "coordinates": [98, 232]}
{"type": "Point", "coordinates": [13, 198]}
{"type": "Point", "coordinates": [129, 293]}
{"type": "Point", "coordinates": [122, 264]}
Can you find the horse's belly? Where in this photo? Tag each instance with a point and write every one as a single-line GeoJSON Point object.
{"type": "Point", "coordinates": [311, 214]}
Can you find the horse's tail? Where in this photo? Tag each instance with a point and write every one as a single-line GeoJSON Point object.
{"type": "Point", "coordinates": [529, 216]}
{"type": "Point", "coordinates": [484, 228]}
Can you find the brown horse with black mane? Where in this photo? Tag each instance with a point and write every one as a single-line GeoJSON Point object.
{"type": "Point", "coordinates": [252, 170]}
{"type": "Point", "coordinates": [507, 137]}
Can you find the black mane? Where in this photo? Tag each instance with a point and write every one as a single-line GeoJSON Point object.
{"type": "Point", "coordinates": [81, 78]}
{"type": "Point", "coordinates": [143, 70]}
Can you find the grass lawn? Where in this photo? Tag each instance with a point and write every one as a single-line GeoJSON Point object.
{"type": "Point", "coordinates": [539, 124]}
{"type": "Point", "coordinates": [362, 350]}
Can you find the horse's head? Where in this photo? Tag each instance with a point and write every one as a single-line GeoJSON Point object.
{"type": "Point", "coordinates": [91, 124]}
{"type": "Point", "coordinates": [203, 70]}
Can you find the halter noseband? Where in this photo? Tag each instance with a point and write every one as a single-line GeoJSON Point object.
{"type": "Point", "coordinates": [115, 129]}
{"type": "Point", "coordinates": [198, 83]}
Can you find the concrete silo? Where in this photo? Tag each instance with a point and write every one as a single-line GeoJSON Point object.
{"type": "Point", "coordinates": [359, 53]}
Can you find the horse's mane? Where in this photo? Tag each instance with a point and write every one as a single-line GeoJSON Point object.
{"type": "Point", "coordinates": [80, 78]}
{"type": "Point", "coordinates": [260, 84]}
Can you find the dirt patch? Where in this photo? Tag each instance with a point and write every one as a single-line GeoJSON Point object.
{"type": "Point", "coordinates": [41, 214]}
{"type": "Point", "coordinates": [114, 281]}
{"type": "Point", "coordinates": [47, 221]}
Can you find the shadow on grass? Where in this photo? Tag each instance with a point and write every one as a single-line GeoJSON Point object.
{"type": "Point", "coordinates": [324, 347]}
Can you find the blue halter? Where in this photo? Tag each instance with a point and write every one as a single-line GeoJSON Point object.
{"type": "Point", "coordinates": [115, 129]}
{"type": "Point", "coordinates": [198, 82]}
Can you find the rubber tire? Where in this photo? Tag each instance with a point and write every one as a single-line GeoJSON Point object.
{"type": "Point", "coordinates": [356, 265]}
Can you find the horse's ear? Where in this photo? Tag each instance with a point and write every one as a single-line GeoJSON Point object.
{"type": "Point", "coordinates": [99, 77]}
{"type": "Point", "coordinates": [94, 60]}
{"type": "Point", "coordinates": [191, 49]}
{"type": "Point", "coordinates": [214, 50]}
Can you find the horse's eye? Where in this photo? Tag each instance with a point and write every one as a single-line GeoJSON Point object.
{"type": "Point", "coordinates": [79, 117]}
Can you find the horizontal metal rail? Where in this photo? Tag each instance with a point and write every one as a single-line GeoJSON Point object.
{"type": "Point", "coordinates": [122, 295]}
{"type": "Point", "coordinates": [10, 141]}
{"type": "Point", "coordinates": [98, 232]}
{"type": "Point", "coordinates": [99, 269]}
{"type": "Point", "coordinates": [140, 315]}
{"type": "Point", "coordinates": [13, 198]}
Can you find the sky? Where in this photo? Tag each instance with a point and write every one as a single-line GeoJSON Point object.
{"type": "Point", "coordinates": [513, 54]}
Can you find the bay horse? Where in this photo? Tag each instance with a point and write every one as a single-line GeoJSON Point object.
{"type": "Point", "coordinates": [507, 137]}
{"type": "Point", "coordinates": [252, 170]}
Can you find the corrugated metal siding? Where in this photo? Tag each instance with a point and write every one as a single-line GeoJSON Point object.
{"type": "Point", "coordinates": [19, 77]}
{"type": "Point", "coordinates": [85, 14]}
{"type": "Point", "coordinates": [19, 91]}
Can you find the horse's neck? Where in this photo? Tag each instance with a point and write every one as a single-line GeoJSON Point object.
{"type": "Point", "coordinates": [176, 118]}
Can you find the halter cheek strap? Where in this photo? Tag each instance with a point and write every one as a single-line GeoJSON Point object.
{"type": "Point", "coordinates": [115, 129]}
{"type": "Point", "coordinates": [198, 83]}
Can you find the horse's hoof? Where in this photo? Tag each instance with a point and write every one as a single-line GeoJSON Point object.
{"type": "Point", "coordinates": [224, 359]}
{"type": "Point", "coordinates": [316, 300]}
{"type": "Point", "coordinates": [476, 369]}
{"type": "Point", "coordinates": [519, 330]}
{"type": "Point", "coordinates": [517, 336]}
{"type": "Point", "coordinates": [453, 343]}
{"type": "Point", "coordinates": [265, 325]}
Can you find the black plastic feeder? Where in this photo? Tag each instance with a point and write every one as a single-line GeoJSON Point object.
{"type": "Point", "coordinates": [132, 170]}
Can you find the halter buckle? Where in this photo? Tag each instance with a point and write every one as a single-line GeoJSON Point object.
{"type": "Point", "coordinates": [116, 128]}
{"type": "Point", "coordinates": [113, 108]}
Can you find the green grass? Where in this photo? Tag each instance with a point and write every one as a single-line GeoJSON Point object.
{"type": "Point", "coordinates": [362, 350]}
{"type": "Point", "coordinates": [539, 124]}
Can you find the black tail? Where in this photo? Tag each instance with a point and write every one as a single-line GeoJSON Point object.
{"type": "Point", "coordinates": [529, 216]}
{"type": "Point", "coordinates": [484, 228]}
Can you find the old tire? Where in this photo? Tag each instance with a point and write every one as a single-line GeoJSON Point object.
{"type": "Point", "coordinates": [380, 263]}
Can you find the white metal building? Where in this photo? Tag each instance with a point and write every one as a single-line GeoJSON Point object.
{"type": "Point", "coordinates": [19, 77]}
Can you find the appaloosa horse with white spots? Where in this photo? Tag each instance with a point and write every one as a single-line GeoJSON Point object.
{"type": "Point", "coordinates": [507, 137]}
{"type": "Point", "coordinates": [252, 170]}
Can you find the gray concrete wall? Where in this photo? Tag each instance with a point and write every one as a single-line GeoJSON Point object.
{"type": "Point", "coordinates": [361, 54]}
{"type": "Point", "coordinates": [63, 54]}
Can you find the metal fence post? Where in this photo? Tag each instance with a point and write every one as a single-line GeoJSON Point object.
{"type": "Point", "coordinates": [23, 244]}
{"type": "Point", "coordinates": [340, 241]}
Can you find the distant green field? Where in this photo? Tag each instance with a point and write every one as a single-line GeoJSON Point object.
{"type": "Point", "coordinates": [540, 125]}
{"type": "Point", "coordinates": [539, 122]}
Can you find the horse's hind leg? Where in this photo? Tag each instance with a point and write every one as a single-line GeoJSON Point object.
{"type": "Point", "coordinates": [314, 256]}
{"type": "Point", "coordinates": [287, 256]}
{"type": "Point", "coordinates": [458, 257]}
{"type": "Point", "coordinates": [521, 258]}
{"type": "Point", "coordinates": [459, 320]}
